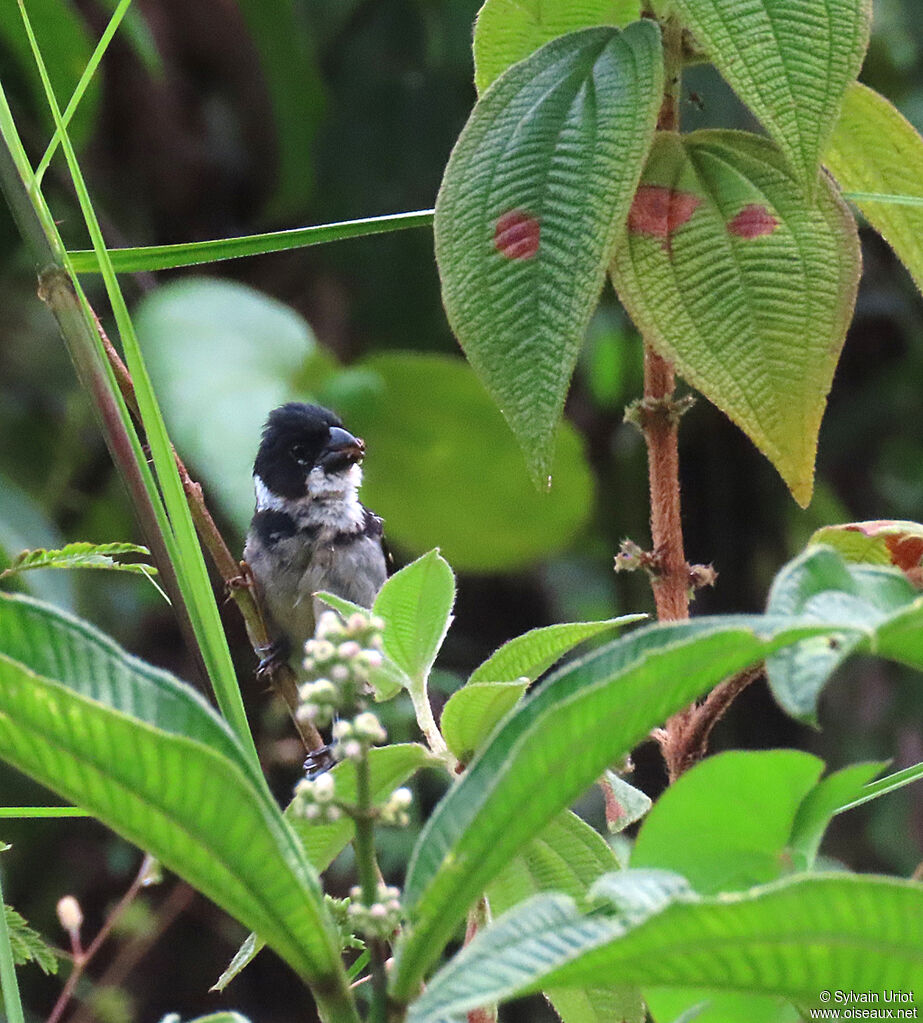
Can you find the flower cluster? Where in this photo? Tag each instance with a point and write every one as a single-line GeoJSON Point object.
{"type": "Point", "coordinates": [382, 918]}
{"type": "Point", "coordinates": [341, 656]}
{"type": "Point", "coordinates": [314, 800]}
{"type": "Point", "coordinates": [394, 812]}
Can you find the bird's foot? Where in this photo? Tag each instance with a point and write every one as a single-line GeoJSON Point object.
{"type": "Point", "coordinates": [319, 761]}
{"type": "Point", "coordinates": [272, 656]}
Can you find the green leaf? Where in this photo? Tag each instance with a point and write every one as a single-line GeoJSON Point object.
{"type": "Point", "coordinates": [508, 30]}
{"type": "Point", "coordinates": [147, 756]}
{"type": "Point", "coordinates": [875, 149]}
{"type": "Point", "coordinates": [166, 257]}
{"type": "Point", "coordinates": [726, 824]}
{"type": "Point", "coordinates": [416, 603]}
{"type": "Point", "coordinates": [624, 803]}
{"type": "Point", "coordinates": [28, 945]}
{"type": "Point", "coordinates": [822, 803]}
{"type": "Point", "coordinates": [529, 210]}
{"type": "Point", "coordinates": [794, 939]}
{"type": "Point", "coordinates": [881, 542]}
{"type": "Point", "coordinates": [736, 820]}
{"type": "Point", "coordinates": [66, 46]}
{"type": "Point", "coordinates": [790, 63]}
{"type": "Point", "coordinates": [820, 585]}
{"type": "Point", "coordinates": [433, 432]}
{"type": "Point", "coordinates": [472, 712]}
{"type": "Point", "coordinates": [82, 555]}
{"type": "Point", "coordinates": [201, 337]}
{"type": "Point", "coordinates": [567, 856]}
{"type": "Point", "coordinates": [247, 952]}
{"type": "Point", "coordinates": [534, 652]}
{"type": "Point", "coordinates": [747, 287]}
{"type": "Point", "coordinates": [551, 750]}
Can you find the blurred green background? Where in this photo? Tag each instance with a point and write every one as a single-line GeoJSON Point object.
{"type": "Point", "coordinates": [225, 117]}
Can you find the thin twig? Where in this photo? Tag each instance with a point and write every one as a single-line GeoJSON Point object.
{"type": "Point", "coordinates": [83, 959]}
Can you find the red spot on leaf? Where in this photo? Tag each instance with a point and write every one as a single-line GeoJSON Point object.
{"type": "Point", "coordinates": [659, 212]}
{"type": "Point", "coordinates": [906, 551]}
{"type": "Point", "coordinates": [516, 235]}
{"type": "Point", "coordinates": [752, 221]}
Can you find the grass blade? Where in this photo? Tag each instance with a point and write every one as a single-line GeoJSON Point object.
{"type": "Point", "coordinates": [166, 257]}
{"type": "Point", "coordinates": [85, 79]}
{"type": "Point", "coordinates": [190, 566]}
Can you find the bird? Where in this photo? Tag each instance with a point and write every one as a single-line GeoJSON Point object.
{"type": "Point", "coordinates": [310, 531]}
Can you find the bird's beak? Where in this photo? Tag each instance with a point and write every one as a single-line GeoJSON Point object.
{"type": "Point", "coordinates": [342, 449]}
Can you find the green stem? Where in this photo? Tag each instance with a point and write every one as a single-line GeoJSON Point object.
{"type": "Point", "coordinates": [424, 715]}
{"type": "Point", "coordinates": [12, 1003]}
{"type": "Point", "coordinates": [367, 868]}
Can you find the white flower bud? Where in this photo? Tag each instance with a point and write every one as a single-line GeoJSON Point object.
{"type": "Point", "coordinates": [339, 673]}
{"type": "Point", "coordinates": [324, 786]}
{"type": "Point", "coordinates": [401, 798]}
{"type": "Point", "coordinates": [348, 650]}
{"type": "Point", "coordinates": [306, 712]}
{"type": "Point", "coordinates": [352, 749]}
{"type": "Point", "coordinates": [368, 727]}
{"type": "Point", "coordinates": [328, 626]}
{"type": "Point", "coordinates": [323, 650]}
{"type": "Point", "coordinates": [357, 623]}
{"type": "Point", "coordinates": [342, 729]}
{"type": "Point", "coordinates": [377, 911]}
{"type": "Point", "coordinates": [70, 915]}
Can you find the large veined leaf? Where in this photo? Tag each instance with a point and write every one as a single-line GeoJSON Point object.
{"type": "Point", "coordinates": [735, 820]}
{"type": "Point", "coordinates": [147, 756]}
{"type": "Point", "coordinates": [874, 148]}
{"type": "Point", "coordinates": [549, 751]}
{"type": "Point", "coordinates": [529, 210]}
{"type": "Point", "coordinates": [790, 62]}
{"type": "Point", "coordinates": [508, 30]}
{"type": "Point", "coordinates": [746, 286]}
{"type": "Point", "coordinates": [799, 939]}
{"type": "Point", "coordinates": [880, 542]}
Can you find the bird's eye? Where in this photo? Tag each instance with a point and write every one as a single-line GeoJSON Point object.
{"type": "Point", "coordinates": [300, 454]}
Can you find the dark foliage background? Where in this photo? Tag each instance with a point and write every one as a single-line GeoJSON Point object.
{"type": "Point", "coordinates": [218, 118]}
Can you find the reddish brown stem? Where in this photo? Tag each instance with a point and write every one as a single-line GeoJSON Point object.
{"type": "Point", "coordinates": [671, 578]}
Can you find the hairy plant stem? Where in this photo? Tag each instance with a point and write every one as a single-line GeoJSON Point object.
{"type": "Point", "coordinates": [684, 739]}
{"type": "Point", "coordinates": [367, 869]}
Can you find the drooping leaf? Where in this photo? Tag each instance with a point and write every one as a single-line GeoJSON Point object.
{"type": "Point", "coordinates": [471, 713]}
{"type": "Point", "coordinates": [145, 754]}
{"type": "Point", "coordinates": [27, 944]}
{"type": "Point", "coordinates": [534, 652]}
{"type": "Point", "coordinates": [529, 209]}
{"type": "Point", "coordinates": [882, 542]}
{"type": "Point", "coordinates": [625, 804]}
{"type": "Point", "coordinates": [790, 63]}
{"type": "Point", "coordinates": [506, 31]}
{"type": "Point", "coordinates": [549, 751]}
{"type": "Point", "coordinates": [731, 274]}
{"type": "Point", "coordinates": [432, 431]}
{"type": "Point", "coordinates": [875, 149]}
{"type": "Point", "coordinates": [820, 585]}
{"type": "Point", "coordinates": [793, 939]}
{"type": "Point", "coordinates": [201, 337]}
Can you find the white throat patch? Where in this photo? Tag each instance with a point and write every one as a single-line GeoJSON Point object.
{"type": "Point", "coordinates": [332, 500]}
